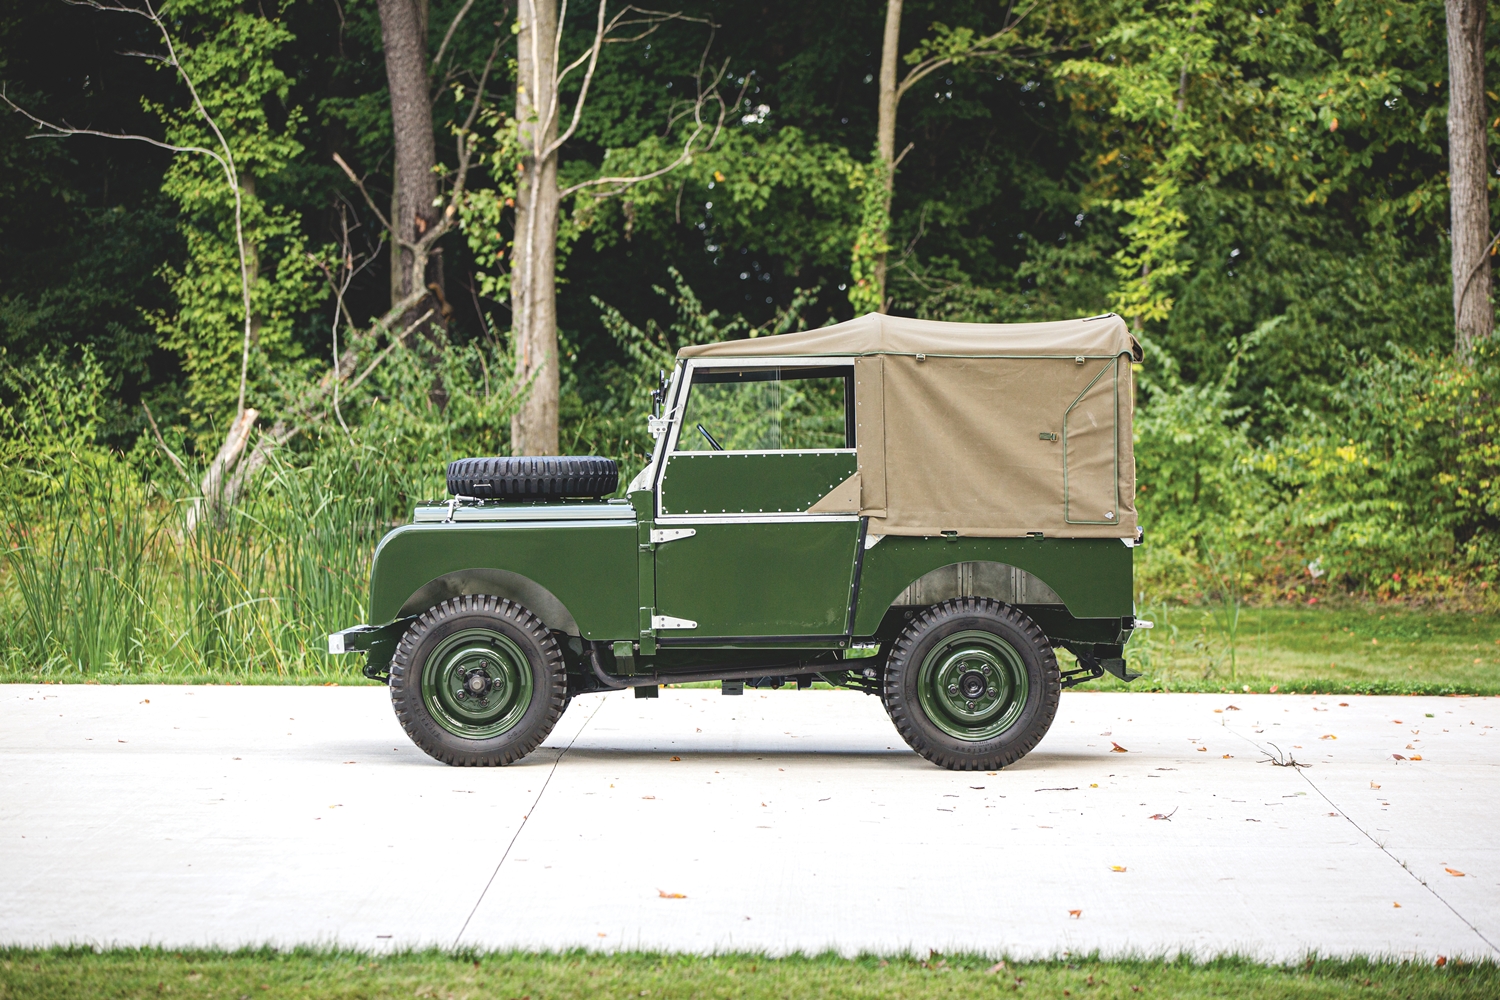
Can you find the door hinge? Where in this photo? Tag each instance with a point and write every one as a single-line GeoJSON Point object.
{"type": "Point", "coordinates": [660, 535]}
{"type": "Point", "coordinates": [667, 621]}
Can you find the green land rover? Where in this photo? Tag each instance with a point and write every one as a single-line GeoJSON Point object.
{"type": "Point", "coordinates": [922, 511]}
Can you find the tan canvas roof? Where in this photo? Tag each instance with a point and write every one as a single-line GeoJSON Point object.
{"type": "Point", "coordinates": [1098, 336]}
{"type": "Point", "coordinates": [991, 430]}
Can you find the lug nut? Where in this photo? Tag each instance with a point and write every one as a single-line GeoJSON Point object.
{"type": "Point", "coordinates": [953, 689]}
{"type": "Point", "coordinates": [993, 692]}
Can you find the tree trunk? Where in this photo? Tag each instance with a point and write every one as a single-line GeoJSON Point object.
{"type": "Point", "coordinates": [885, 128]}
{"type": "Point", "coordinates": [403, 29]}
{"type": "Point", "coordinates": [533, 428]}
{"type": "Point", "coordinates": [1468, 176]}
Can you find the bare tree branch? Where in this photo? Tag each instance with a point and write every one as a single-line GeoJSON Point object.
{"type": "Point", "coordinates": [448, 36]}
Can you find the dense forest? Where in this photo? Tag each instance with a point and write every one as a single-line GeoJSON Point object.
{"type": "Point", "coordinates": [471, 229]}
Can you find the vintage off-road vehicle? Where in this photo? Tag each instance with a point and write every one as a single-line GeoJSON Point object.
{"type": "Point", "coordinates": [923, 511]}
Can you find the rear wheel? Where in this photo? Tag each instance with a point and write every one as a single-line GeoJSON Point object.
{"type": "Point", "coordinates": [478, 680]}
{"type": "Point", "coordinates": [972, 684]}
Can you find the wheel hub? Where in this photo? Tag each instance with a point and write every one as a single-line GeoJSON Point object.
{"type": "Point", "coordinates": [477, 684]}
{"type": "Point", "coordinates": [973, 685]}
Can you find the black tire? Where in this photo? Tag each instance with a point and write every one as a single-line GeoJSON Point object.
{"type": "Point", "coordinates": [522, 669]}
{"type": "Point", "coordinates": [967, 641]}
{"type": "Point", "coordinates": [547, 477]}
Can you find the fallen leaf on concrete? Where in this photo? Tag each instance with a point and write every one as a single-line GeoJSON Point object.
{"type": "Point", "coordinates": [602, 934]}
{"type": "Point", "coordinates": [1373, 785]}
{"type": "Point", "coordinates": [998, 966]}
{"type": "Point", "coordinates": [763, 805]}
{"type": "Point", "coordinates": [144, 701]}
{"type": "Point", "coordinates": [1416, 756]}
{"type": "Point", "coordinates": [1398, 756]}
{"type": "Point", "coordinates": [1203, 749]}
{"type": "Point", "coordinates": [1343, 704]}
{"type": "Point", "coordinates": [1228, 756]}
{"type": "Point", "coordinates": [1218, 711]}
{"type": "Point", "coordinates": [1231, 708]}
{"type": "Point", "coordinates": [1117, 747]}
{"type": "Point", "coordinates": [648, 796]}
{"type": "Point", "coordinates": [1075, 914]}
{"type": "Point", "coordinates": [1166, 816]}
{"type": "Point", "coordinates": [1454, 872]}
{"type": "Point", "coordinates": [1094, 785]}
{"type": "Point", "coordinates": [1410, 747]}
{"type": "Point", "coordinates": [676, 758]}
{"type": "Point", "coordinates": [1397, 721]}
{"type": "Point", "coordinates": [1329, 736]}
{"type": "Point", "coordinates": [1117, 868]}
{"type": "Point", "coordinates": [1333, 814]}
{"type": "Point", "coordinates": [669, 895]}
{"type": "Point", "coordinates": [1396, 906]}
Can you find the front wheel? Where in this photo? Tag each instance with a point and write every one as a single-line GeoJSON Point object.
{"type": "Point", "coordinates": [478, 681]}
{"type": "Point", "coordinates": [972, 684]}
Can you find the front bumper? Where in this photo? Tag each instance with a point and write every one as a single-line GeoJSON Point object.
{"type": "Point", "coordinates": [378, 642]}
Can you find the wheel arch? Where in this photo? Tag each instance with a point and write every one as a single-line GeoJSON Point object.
{"type": "Point", "coordinates": [499, 583]}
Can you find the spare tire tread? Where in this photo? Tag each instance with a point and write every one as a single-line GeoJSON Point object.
{"type": "Point", "coordinates": [533, 477]}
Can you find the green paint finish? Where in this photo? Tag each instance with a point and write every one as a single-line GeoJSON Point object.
{"type": "Point", "coordinates": [729, 482]}
{"type": "Point", "coordinates": [773, 579]}
{"type": "Point", "coordinates": [477, 684]}
{"type": "Point", "coordinates": [1091, 575]}
{"type": "Point", "coordinates": [583, 571]}
{"type": "Point", "coordinates": [972, 685]}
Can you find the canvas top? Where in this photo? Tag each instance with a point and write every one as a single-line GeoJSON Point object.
{"type": "Point", "coordinates": [1094, 337]}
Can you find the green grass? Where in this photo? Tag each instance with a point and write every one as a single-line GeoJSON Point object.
{"type": "Point", "coordinates": [1351, 648]}
{"type": "Point", "coordinates": [66, 973]}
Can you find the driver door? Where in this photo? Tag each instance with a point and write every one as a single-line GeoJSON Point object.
{"type": "Point", "coordinates": [757, 445]}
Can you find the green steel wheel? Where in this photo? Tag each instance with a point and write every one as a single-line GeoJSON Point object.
{"type": "Point", "coordinates": [972, 684]}
{"type": "Point", "coordinates": [478, 680]}
{"type": "Point", "coordinates": [477, 684]}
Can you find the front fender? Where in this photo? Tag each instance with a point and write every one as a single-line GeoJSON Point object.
{"type": "Point", "coordinates": [579, 578]}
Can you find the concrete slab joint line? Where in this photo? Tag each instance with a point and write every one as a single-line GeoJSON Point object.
{"type": "Point", "coordinates": [1302, 773]}
{"type": "Point", "coordinates": [284, 816]}
{"type": "Point", "coordinates": [524, 820]}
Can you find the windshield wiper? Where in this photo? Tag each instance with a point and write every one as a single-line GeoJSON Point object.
{"type": "Point", "coordinates": [710, 438]}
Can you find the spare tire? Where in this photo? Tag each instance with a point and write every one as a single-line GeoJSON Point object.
{"type": "Point", "coordinates": [539, 477]}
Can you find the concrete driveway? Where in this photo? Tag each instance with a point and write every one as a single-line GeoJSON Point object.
{"type": "Point", "coordinates": [792, 821]}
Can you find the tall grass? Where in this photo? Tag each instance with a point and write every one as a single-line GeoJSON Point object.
{"type": "Point", "coordinates": [105, 575]}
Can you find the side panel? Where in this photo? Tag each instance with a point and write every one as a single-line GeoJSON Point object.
{"type": "Point", "coordinates": [1092, 576]}
{"type": "Point", "coordinates": [589, 567]}
{"type": "Point", "coordinates": [730, 482]}
{"type": "Point", "coordinates": [759, 579]}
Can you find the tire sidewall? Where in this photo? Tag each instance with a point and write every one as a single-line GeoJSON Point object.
{"type": "Point", "coordinates": [509, 619]}
{"type": "Point", "coordinates": [903, 675]}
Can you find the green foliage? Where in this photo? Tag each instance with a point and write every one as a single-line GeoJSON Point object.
{"type": "Point", "coordinates": [872, 241]}
{"type": "Point", "coordinates": [229, 53]}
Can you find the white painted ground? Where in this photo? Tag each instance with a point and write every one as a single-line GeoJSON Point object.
{"type": "Point", "coordinates": [793, 821]}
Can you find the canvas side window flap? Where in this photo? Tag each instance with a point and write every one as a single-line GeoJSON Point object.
{"type": "Point", "coordinates": [767, 409]}
{"type": "Point", "coordinates": [1091, 451]}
